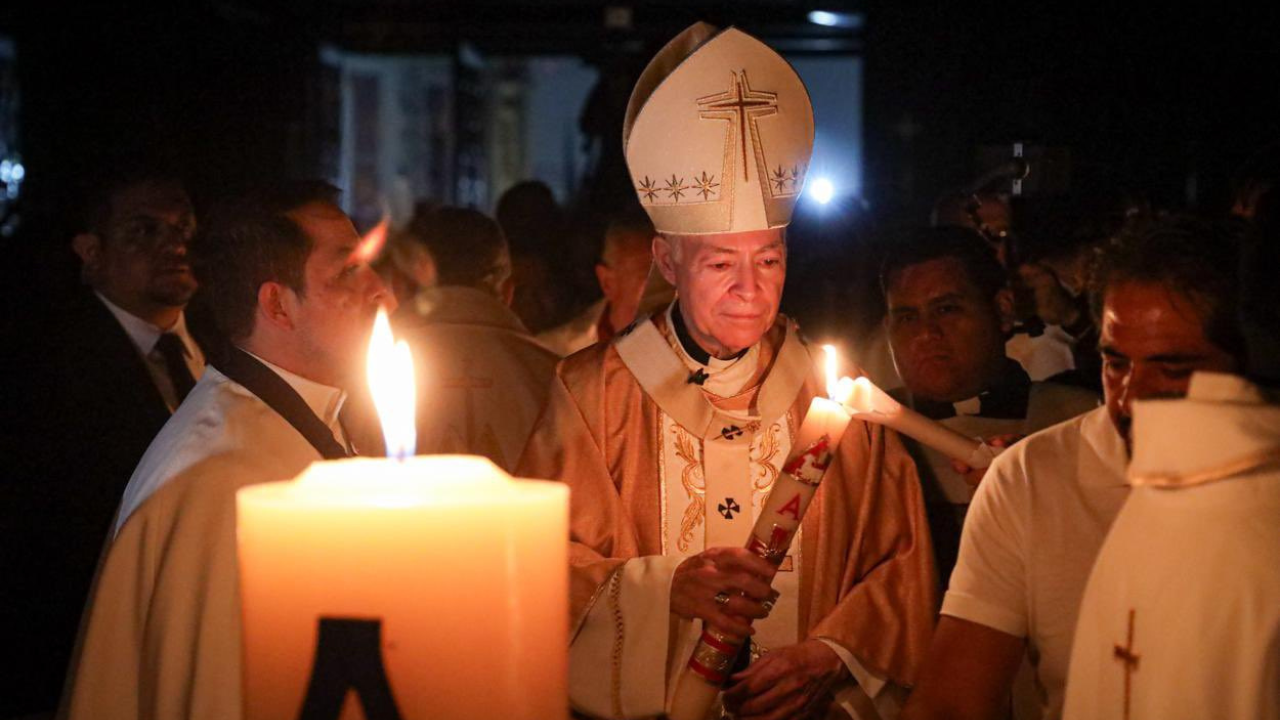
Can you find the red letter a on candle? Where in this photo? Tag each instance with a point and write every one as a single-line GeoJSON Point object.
{"type": "Point", "coordinates": [792, 508]}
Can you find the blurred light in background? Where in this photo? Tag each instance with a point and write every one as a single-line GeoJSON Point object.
{"type": "Point", "coordinates": [821, 190]}
{"type": "Point", "coordinates": [828, 18]}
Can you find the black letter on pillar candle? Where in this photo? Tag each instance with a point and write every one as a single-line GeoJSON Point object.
{"type": "Point", "coordinates": [349, 657]}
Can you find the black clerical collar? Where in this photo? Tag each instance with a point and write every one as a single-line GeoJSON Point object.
{"type": "Point", "coordinates": [687, 342]}
{"type": "Point", "coordinates": [1004, 399]}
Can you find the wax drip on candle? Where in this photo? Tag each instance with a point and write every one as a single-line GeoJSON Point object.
{"type": "Point", "coordinates": [390, 373]}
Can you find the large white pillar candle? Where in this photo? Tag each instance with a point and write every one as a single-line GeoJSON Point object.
{"type": "Point", "coordinates": [457, 572]}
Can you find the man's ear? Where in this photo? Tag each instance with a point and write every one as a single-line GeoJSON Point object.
{"type": "Point", "coordinates": [664, 257]}
{"type": "Point", "coordinates": [604, 276]}
{"type": "Point", "coordinates": [88, 247]}
{"type": "Point", "coordinates": [275, 304]}
{"type": "Point", "coordinates": [1004, 307]}
{"type": "Point", "coordinates": [507, 291]}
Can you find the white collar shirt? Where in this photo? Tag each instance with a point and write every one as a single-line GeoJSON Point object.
{"type": "Point", "coordinates": [144, 337]}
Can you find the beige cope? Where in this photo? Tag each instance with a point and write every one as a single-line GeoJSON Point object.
{"type": "Point", "coordinates": [661, 468]}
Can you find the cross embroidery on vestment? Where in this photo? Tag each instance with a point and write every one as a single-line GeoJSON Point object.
{"type": "Point", "coordinates": [1130, 659]}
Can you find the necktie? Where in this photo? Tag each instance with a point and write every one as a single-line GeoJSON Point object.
{"type": "Point", "coordinates": [174, 354]}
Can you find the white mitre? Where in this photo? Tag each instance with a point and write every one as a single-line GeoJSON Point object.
{"type": "Point", "coordinates": [718, 134]}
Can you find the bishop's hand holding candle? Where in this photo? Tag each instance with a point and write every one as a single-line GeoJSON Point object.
{"type": "Point", "coordinates": [427, 587]}
{"type": "Point", "coordinates": [674, 436]}
{"type": "Point", "coordinates": [812, 451]}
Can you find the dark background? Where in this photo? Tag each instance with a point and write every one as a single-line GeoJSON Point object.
{"type": "Point", "coordinates": [1153, 99]}
{"type": "Point", "coordinates": [1162, 103]}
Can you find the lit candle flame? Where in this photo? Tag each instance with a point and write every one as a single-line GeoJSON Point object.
{"type": "Point", "coordinates": [390, 372]}
{"type": "Point", "coordinates": [831, 370]}
{"type": "Point", "coordinates": [837, 389]}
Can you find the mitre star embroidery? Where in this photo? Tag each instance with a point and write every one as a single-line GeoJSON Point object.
{"type": "Point", "coordinates": [706, 186]}
{"type": "Point", "coordinates": [675, 188]}
{"type": "Point", "coordinates": [780, 179]}
{"type": "Point", "coordinates": [740, 105]}
{"type": "Point", "coordinates": [649, 188]}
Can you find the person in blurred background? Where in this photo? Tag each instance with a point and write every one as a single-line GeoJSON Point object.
{"type": "Point", "coordinates": [481, 378]}
{"type": "Point", "coordinates": [621, 271]}
{"type": "Point", "coordinates": [104, 379]}
{"type": "Point", "coordinates": [536, 232]}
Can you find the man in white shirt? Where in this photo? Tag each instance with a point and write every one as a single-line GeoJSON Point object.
{"type": "Point", "coordinates": [101, 382]}
{"type": "Point", "coordinates": [1044, 506]}
{"type": "Point", "coordinates": [1181, 615]}
{"type": "Point", "coordinates": [135, 257]}
{"type": "Point", "coordinates": [293, 292]}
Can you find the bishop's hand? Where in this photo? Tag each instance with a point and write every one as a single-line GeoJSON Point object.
{"type": "Point", "coordinates": [725, 587]}
{"type": "Point", "coordinates": [795, 681]}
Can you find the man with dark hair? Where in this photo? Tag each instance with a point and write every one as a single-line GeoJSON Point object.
{"type": "Point", "coordinates": [291, 287]}
{"type": "Point", "coordinates": [1181, 616]}
{"type": "Point", "coordinates": [1166, 295]}
{"type": "Point", "coordinates": [949, 311]}
{"type": "Point", "coordinates": [622, 270]}
{"type": "Point", "coordinates": [103, 380]}
{"type": "Point", "coordinates": [535, 227]}
{"type": "Point", "coordinates": [482, 379]}
{"type": "Point", "coordinates": [1182, 265]}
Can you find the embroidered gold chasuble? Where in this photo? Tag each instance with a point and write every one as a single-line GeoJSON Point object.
{"type": "Point", "coordinates": [653, 459]}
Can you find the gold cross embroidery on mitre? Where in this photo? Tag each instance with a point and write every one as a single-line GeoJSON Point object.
{"type": "Point", "coordinates": [740, 105]}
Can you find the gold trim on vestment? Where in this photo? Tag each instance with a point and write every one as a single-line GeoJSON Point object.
{"type": "Point", "coordinates": [689, 476]}
{"type": "Point", "coordinates": [662, 483]}
{"type": "Point", "coordinates": [768, 449]}
{"type": "Point", "coordinates": [619, 638]}
{"type": "Point", "coordinates": [1202, 477]}
{"type": "Point", "coordinates": [663, 376]}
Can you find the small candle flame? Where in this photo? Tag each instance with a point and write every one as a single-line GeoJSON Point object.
{"type": "Point", "coordinates": [831, 366]}
{"type": "Point", "coordinates": [390, 372]}
{"type": "Point", "coordinates": [838, 389]}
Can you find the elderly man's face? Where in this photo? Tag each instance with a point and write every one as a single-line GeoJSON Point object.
{"type": "Point", "coordinates": [1152, 339]}
{"type": "Point", "coordinates": [139, 257]}
{"type": "Point", "coordinates": [947, 339]}
{"type": "Point", "coordinates": [729, 285]}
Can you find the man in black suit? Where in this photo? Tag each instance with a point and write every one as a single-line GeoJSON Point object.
{"type": "Point", "coordinates": [101, 382]}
